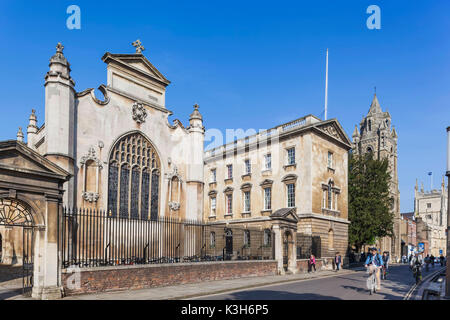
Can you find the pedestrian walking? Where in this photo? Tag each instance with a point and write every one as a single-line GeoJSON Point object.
{"type": "Point", "coordinates": [337, 261]}
{"type": "Point", "coordinates": [441, 258]}
{"type": "Point", "coordinates": [312, 263]}
{"type": "Point", "coordinates": [432, 260]}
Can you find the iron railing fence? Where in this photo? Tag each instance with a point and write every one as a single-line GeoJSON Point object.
{"type": "Point", "coordinates": [93, 238]}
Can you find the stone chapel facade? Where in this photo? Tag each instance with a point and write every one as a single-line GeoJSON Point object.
{"type": "Point", "coordinates": [122, 152]}
{"type": "Point", "coordinates": [377, 135]}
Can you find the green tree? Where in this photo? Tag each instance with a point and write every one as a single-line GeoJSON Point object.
{"type": "Point", "coordinates": [369, 200]}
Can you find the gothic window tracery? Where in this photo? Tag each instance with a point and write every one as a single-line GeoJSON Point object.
{"type": "Point", "coordinates": [133, 178]}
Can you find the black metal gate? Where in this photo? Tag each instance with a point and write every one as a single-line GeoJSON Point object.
{"type": "Point", "coordinates": [228, 244]}
{"type": "Point", "coordinates": [285, 253]}
{"type": "Point", "coordinates": [28, 260]}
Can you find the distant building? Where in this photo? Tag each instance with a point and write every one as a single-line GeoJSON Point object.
{"type": "Point", "coordinates": [430, 209]}
{"type": "Point", "coordinates": [411, 231]}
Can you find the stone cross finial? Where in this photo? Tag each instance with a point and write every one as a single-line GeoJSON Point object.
{"type": "Point", "coordinates": [59, 48]}
{"type": "Point", "coordinates": [138, 45]}
{"type": "Point", "coordinates": [196, 106]}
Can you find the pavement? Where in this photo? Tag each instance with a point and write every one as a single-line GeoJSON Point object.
{"type": "Point", "coordinates": [350, 285]}
{"type": "Point", "coordinates": [323, 285]}
{"type": "Point", "coordinates": [10, 281]}
{"type": "Point", "coordinates": [187, 291]}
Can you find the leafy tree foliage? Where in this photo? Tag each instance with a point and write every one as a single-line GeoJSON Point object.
{"type": "Point", "coordinates": [369, 200]}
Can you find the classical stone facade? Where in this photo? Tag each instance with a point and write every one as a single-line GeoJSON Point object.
{"type": "Point", "coordinates": [430, 208]}
{"type": "Point", "coordinates": [376, 135]}
{"type": "Point", "coordinates": [299, 168]}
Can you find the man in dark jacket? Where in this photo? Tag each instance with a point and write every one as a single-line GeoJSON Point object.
{"type": "Point", "coordinates": [337, 261]}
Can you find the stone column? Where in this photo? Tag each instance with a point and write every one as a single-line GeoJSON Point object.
{"type": "Point", "coordinates": [278, 248]}
{"type": "Point", "coordinates": [293, 257]}
{"type": "Point", "coordinates": [47, 278]}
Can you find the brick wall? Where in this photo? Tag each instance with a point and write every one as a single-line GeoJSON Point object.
{"type": "Point", "coordinates": [147, 276]}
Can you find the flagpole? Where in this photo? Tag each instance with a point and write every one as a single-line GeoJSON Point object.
{"type": "Point", "coordinates": [447, 289]}
{"type": "Point", "coordinates": [326, 88]}
{"type": "Point", "coordinates": [431, 182]}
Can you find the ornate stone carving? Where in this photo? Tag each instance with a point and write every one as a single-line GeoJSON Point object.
{"type": "Point", "coordinates": [92, 155]}
{"type": "Point", "coordinates": [139, 112]}
{"type": "Point", "coordinates": [331, 130]}
{"type": "Point", "coordinates": [174, 205]}
{"type": "Point", "coordinates": [90, 196]}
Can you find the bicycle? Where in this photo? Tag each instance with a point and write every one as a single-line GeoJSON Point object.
{"type": "Point", "coordinates": [384, 273]}
{"type": "Point", "coordinates": [372, 281]}
{"type": "Point", "coordinates": [417, 274]}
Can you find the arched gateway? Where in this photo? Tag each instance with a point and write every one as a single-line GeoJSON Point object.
{"type": "Point", "coordinates": [31, 190]}
{"type": "Point", "coordinates": [17, 247]}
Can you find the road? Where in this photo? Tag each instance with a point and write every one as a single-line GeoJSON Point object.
{"type": "Point", "coordinates": [340, 287]}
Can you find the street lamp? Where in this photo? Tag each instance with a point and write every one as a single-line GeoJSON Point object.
{"type": "Point", "coordinates": [448, 214]}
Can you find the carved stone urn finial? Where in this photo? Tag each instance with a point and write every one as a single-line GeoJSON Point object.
{"type": "Point", "coordinates": [20, 135]}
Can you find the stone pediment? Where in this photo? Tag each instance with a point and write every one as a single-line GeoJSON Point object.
{"type": "Point", "coordinates": [286, 214]}
{"type": "Point", "coordinates": [16, 156]}
{"type": "Point", "coordinates": [137, 63]}
{"type": "Point", "coordinates": [333, 129]}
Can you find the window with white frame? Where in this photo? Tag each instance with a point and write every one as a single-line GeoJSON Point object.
{"type": "Point", "coordinates": [246, 201]}
{"type": "Point", "coordinates": [290, 195]}
{"type": "Point", "coordinates": [248, 166]}
{"type": "Point", "coordinates": [229, 199]}
{"type": "Point", "coordinates": [213, 206]}
{"type": "Point", "coordinates": [230, 171]}
{"type": "Point", "coordinates": [213, 175]}
{"type": "Point", "coordinates": [291, 156]}
{"type": "Point", "coordinates": [330, 196]}
{"type": "Point", "coordinates": [330, 159]}
{"type": "Point", "coordinates": [268, 198]}
{"type": "Point", "coordinates": [268, 161]}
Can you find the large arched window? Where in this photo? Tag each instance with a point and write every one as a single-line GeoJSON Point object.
{"type": "Point", "coordinates": [133, 178]}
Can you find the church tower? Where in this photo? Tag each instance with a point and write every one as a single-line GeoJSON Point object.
{"type": "Point", "coordinates": [376, 135]}
{"type": "Point", "coordinates": [60, 118]}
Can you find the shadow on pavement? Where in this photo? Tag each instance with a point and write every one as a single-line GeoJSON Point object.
{"type": "Point", "coordinates": [8, 273]}
{"type": "Point", "coordinates": [9, 293]}
{"type": "Point", "coordinates": [277, 295]}
{"type": "Point", "coordinates": [395, 287]}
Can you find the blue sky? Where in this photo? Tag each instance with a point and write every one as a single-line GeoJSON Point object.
{"type": "Point", "coordinates": [252, 64]}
